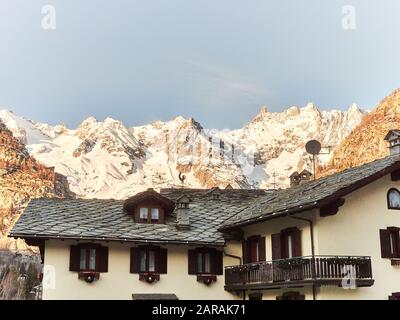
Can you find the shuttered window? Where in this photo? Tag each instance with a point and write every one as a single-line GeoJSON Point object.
{"type": "Point", "coordinates": [390, 242]}
{"type": "Point", "coordinates": [205, 261]}
{"type": "Point", "coordinates": [88, 257]}
{"type": "Point", "coordinates": [286, 244]}
{"type": "Point", "coordinates": [148, 259]}
{"type": "Point", "coordinates": [253, 249]}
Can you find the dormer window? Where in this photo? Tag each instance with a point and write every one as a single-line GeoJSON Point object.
{"type": "Point", "coordinates": [145, 217]}
{"type": "Point", "coordinates": [144, 214]}
{"type": "Point", "coordinates": [155, 215]}
{"type": "Point", "coordinates": [148, 207]}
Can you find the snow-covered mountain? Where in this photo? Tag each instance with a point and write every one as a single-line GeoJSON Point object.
{"type": "Point", "coordinates": [106, 159]}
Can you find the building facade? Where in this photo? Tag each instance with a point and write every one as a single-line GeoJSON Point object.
{"type": "Point", "coordinates": [332, 238]}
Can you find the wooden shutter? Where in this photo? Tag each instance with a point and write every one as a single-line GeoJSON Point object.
{"type": "Point", "coordinates": [245, 251]}
{"type": "Point", "coordinates": [385, 243]}
{"type": "Point", "coordinates": [162, 260]}
{"type": "Point", "coordinates": [218, 262]}
{"type": "Point", "coordinates": [192, 262]}
{"type": "Point", "coordinates": [74, 258]}
{"type": "Point", "coordinates": [261, 249]}
{"type": "Point", "coordinates": [276, 246]}
{"type": "Point", "coordinates": [296, 237]}
{"type": "Point", "coordinates": [135, 260]}
{"type": "Point", "coordinates": [102, 259]}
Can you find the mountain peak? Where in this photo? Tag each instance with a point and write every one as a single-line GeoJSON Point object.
{"type": "Point", "coordinates": [310, 107]}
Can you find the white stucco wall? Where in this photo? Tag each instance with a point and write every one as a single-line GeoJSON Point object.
{"type": "Point", "coordinates": [353, 231]}
{"type": "Point", "coordinates": [119, 283]}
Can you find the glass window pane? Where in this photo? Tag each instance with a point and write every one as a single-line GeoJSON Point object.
{"type": "Point", "coordinates": [82, 264]}
{"type": "Point", "coordinates": [143, 261]}
{"type": "Point", "coordinates": [92, 261]}
{"type": "Point", "coordinates": [152, 262]}
{"type": "Point", "coordinates": [154, 214]}
{"type": "Point", "coordinates": [207, 263]}
{"type": "Point", "coordinates": [199, 263]}
{"type": "Point", "coordinates": [394, 199]}
{"type": "Point", "coordinates": [143, 213]}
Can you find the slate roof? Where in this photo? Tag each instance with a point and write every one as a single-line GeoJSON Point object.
{"type": "Point", "coordinates": [312, 194]}
{"type": "Point", "coordinates": [95, 219]}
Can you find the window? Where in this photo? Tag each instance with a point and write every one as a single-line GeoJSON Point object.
{"type": "Point", "coordinates": [149, 215]}
{"type": "Point", "coordinates": [390, 243]}
{"type": "Point", "coordinates": [286, 244]}
{"type": "Point", "coordinates": [148, 259]}
{"type": "Point", "coordinates": [154, 215]}
{"type": "Point", "coordinates": [205, 261]}
{"type": "Point", "coordinates": [89, 257]}
{"type": "Point", "coordinates": [254, 249]}
{"type": "Point", "coordinates": [393, 199]}
{"type": "Point", "coordinates": [144, 214]}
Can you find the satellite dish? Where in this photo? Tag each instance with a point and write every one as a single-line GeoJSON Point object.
{"type": "Point", "coordinates": [313, 147]}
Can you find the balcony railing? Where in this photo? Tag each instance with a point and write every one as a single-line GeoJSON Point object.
{"type": "Point", "coordinates": [301, 271]}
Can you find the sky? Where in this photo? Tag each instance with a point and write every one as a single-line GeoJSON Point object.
{"type": "Point", "coordinates": [140, 61]}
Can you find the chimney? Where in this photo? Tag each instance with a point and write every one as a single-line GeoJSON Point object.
{"type": "Point", "coordinates": [297, 179]}
{"type": "Point", "coordinates": [182, 213]}
{"type": "Point", "coordinates": [393, 137]}
{"type": "Point", "coordinates": [305, 176]}
{"type": "Point", "coordinates": [294, 179]}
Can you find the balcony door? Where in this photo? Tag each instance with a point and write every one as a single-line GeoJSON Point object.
{"type": "Point", "coordinates": [286, 244]}
{"type": "Point", "coordinates": [254, 249]}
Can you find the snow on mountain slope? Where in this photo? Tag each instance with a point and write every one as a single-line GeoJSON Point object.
{"type": "Point", "coordinates": [106, 159]}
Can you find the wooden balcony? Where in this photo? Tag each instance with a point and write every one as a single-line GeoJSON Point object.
{"type": "Point", "coordinates": [351, 271]}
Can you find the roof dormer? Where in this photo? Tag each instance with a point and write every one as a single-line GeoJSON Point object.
{"type": "Point", "coordinates": [215, 193]}
{"type": "Point", "coordinates": [148, 207]}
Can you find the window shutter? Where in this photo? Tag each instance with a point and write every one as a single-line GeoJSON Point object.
{"type": "Point", "coordinates": [74, 258]}
{"type": "Point", "coordinates": [192, 266]}
{"type": "Point", "coordinates": [296, 242]}
{"type": "Point", "coordinates": [261, 249]}
{"type": "Point", "coordinates": [385, 243]}
{"type": "Point", "coordinates": [276, 246]}
{"type": "Point", "coordinates": [135, 260]}
{"type": "Point", "coordinates": [162, 260]}
{"type": "Point", "coordinates": [102, 259]}
{"type": "Point", "coordinates": [218, 262]}
{"type": "Point", "coordinates": [245, 251]}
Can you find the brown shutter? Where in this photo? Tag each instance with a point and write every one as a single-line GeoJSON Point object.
{"type": "Point", "coordinates": [245, 251]}
{"type": "Point", "coordinates": [218, 262]}
{"type": "Point", "coordinates": [192, 265]}
{"type": "Point", "coordinates": [162, 260]}
{"type": "Point", "coordinates": [276, 246]}
{"type": "Point", "coordinates": [135, 260]}
{"type": "Point", "coordinates": [261, 249]}
{"type": "Point", "coordinates": [296, 242]}
{"type": "Point", "coordinates": [102, 259]}
{"type": "Point", "coordinates": [385, 243]}
{"type": "Point", "coordinates": [74, 258]}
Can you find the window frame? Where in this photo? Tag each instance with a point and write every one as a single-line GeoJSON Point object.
{"type": "Point", "coordinates": [149, 218]}
{"type": "Point", "coordinates": [203, 254]}
{"type": "Point", "coordinates": [394, 236]}
{"type": "Point", "coordinates": [147, 251]}
{"type": "Point", "coordinates": [88, 248]}
{"type": "Point", "coordinates": [388, 198]}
